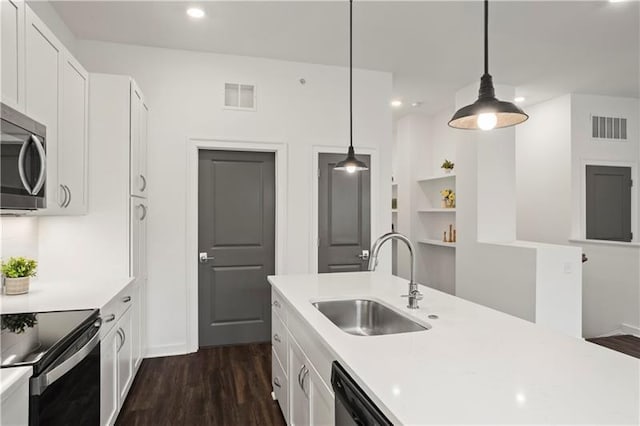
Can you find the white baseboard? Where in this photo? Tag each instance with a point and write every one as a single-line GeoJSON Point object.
{"type": "Point", "coordinates": [623, 329]}
{"type": "Point", "coordinates": [630, 329]}
{"type": "Point", "coordinates": [166, 350]}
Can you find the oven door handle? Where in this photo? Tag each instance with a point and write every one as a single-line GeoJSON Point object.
{"type": "Point", "coordinates": [42, 382]}
{"type": "Point", "coordinates": [43, 165]}
{"type": "Point", "coordinates": [21, 172]}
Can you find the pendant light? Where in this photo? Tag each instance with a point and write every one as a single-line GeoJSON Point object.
{"type": "Point", "coordinates": [351, 164]}
{"type": "Point", "coordinates": [487, 112]}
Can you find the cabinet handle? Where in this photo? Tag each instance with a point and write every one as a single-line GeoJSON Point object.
{"type": "Point", "coordinates": [304, 377]}
{"type": "Point", "coordinates": [276, 303]}
{"type": "Point", "coordinates": [276, 382]}
{"type": "Point", "coordinates": [144, 211]}
{"type": "Point", "coordinates": [276, 337]}
{"type": "Point", "coordinates": [119, 333]}
{"type": "Point", "coordinates": [109, 318]}
{"type": "Point", "coordinates": [144, 183]}
{"type": "Point", "coordinates": [299, 374]}
{"type": "Point", "coordinates": [62, 203]}
{"type": "Point", "coordinates": [69, 198]}
{"type": "Point", "coordinates": [126, 299]}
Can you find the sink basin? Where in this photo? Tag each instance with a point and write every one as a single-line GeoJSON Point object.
{"type": "Point", "coordinates": [362, 317]}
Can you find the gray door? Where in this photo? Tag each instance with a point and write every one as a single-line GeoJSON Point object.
{"type": "Point", "coordinates": [236, 227]}
{"type": "Point", "coordinates": [608, 210]}
{"type": "Point", "coordinates": [344, 217]}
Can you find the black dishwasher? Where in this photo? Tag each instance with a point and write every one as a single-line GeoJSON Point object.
{"type": "Point", "coordinates": [352, 405]}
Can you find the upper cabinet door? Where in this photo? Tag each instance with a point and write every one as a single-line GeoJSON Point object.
{"type": "Point", "coordinates": [72, 144]}
{"type": "Point", "coordinates": [43, 56]}
{"type": "Point", "coordinates": [138, 143]}
{"type": "Point", "coordinates": [12, 53]}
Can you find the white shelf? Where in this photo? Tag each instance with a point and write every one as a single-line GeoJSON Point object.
{"type": "Point", "coordinates": [438, 210]}
{"type": "Point", "coordinates": [394, 185]}
{"type": "Point", "coordinates": [394, 210]}
{"type": "Point", "coordinates": [438, 177]}
{"type": "Point", "coordinates": [437, 243]}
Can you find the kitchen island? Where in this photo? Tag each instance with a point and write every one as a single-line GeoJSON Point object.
{"type": "Point", "coordinates": [475, 365]}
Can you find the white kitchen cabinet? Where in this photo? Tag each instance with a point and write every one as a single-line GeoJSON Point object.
{"type": "Point", "coordinates": [12, 53]}
{"type": "Point", "coordinates": [56, 88]}
{"type": "Point", "coordinates": [303, 394]}
{"type": "Point", "coordinates": [121, 349]}
{"type": "Point", "coordinates": [125, 356]}
{"type": "Point", "coordinates": [138, 144]}
{"type": "Point", "coordinates": [43, 59]}
{"type": "Point", "coordinates": [73, 137]}
{"type": "Point", "coordinates": [109, 345]}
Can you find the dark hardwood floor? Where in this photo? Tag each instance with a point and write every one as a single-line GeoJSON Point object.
{"type": "Point", "coordinates": [626, 344]}
{"type": "Point", "coordinates": [228, 385]}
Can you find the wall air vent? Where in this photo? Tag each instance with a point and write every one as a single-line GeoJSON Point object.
{"type": "Point", "coordinates": [240, 96]}
{"type": "Point", "coordinates": [613, 128]}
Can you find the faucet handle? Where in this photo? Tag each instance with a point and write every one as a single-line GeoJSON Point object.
{"type": "Point", "coordinates": [415, 293]}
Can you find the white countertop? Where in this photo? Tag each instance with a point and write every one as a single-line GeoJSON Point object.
{"type": "Point", "coordinates": [476, 365]}
{"type": "Point", "coordinates": [12, 378]}
{"type": "Point", "coordinates": [59, 295]}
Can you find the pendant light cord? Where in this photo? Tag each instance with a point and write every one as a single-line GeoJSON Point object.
{"type": "Point", "coordinates": [350, 73]}
{"type": "Point", "coordinates": [486, 36]}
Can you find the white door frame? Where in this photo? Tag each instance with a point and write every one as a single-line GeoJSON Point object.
{"type": "Point", "coordinates": [374, 175]}
{"type": "Point", "coordinates": [194, 145]}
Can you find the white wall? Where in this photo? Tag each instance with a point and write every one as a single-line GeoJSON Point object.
{"type": "Point", "coordinates": [552, 148]}
{"type": "Point", "coordinates": [18, 237]}
{"type": "Point", "coordinates": [184, 91]}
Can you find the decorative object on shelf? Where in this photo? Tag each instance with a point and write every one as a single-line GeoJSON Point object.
{"type": "Point", "coordinates": [351, 164]}
{"type": "Point", "coordinates": [455, 239]}
{"type": "Point", "coordinates": [394, 203]}
{"type": "Point", "coordinates": [17, 272]}
{"type": "Point", "coordinates": [447, 166]}
{"type": "Point", "coordinates": [448, 199]}
{"type": "Point", "coordinates": [487, 112]}
{"type": "Point", "coordinates": [449, 237]}
{"type": "Point", "coordinates": [17, 323]}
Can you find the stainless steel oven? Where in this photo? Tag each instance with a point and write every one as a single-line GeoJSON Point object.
{"type": "Point", "coordinates": [63, 348]}
{"type": "Point", "coordinates": [23, 161]}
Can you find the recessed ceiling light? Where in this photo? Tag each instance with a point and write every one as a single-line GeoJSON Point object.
{"type": "Point", "coordinates": [519, 99]}
{"type": "Point", "coordinates": [194, 12]}
{"type": "Point", "coordinates": [396, 103]}
{"type": "Point", "coordinates": [416, 104]}
{"type": "Point", "coordinates": [616, 1]}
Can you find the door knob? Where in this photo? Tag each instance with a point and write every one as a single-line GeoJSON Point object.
{"type": "Point", "coordinates": [204, 257]}
{"type": "Point", "coordinates": [364, 255]}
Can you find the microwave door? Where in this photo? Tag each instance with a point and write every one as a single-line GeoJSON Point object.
{"type": "Point", "coordinates": [22, 168]}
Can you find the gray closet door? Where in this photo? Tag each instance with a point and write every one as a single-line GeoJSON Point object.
{"type": "Point", "coordinates": [236, 223]}
{"type": "Point", "coordinates": [344, 216]}
{"type": "Point", "coordinates": [608, 210]}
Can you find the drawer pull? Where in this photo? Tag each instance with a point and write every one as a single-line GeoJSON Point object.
{"type": "Point", "coordinates": [126, 299]}
{"type": "Point", "coordinates": [276, 338]}
{"type": "Point", "coordinates": [276, 303]}
{"type": "Point", "coordinates": [276, 382]}
{"type": "Point", "coordinates": [109, 318]}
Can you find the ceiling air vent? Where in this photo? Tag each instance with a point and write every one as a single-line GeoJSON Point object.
{"type": "Point", "coordinates": [240, 96]}
{"type": "Point", "coordinates": [614, 128]}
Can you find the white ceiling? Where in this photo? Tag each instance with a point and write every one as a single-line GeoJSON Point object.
{"type": "Point", "coordinates": [544, 48]}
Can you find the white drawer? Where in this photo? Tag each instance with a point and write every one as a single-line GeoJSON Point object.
{"type": "Point", "coordinates": [279, 338]}
{"type": "Point", "coordinates": [280, 385]}
{"type": "Point", "coordinates": [278, 305]}
{"type": "Point", "coordinates": [112, 311]}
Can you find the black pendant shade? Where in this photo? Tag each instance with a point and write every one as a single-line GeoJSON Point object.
{"type": "Point", "coordinates": [351, 164]}
{"type": "Point", "coordinates": [487, 112]}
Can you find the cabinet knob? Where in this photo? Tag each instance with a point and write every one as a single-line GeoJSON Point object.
{"type": "Point", "coordinates": [276, 337]}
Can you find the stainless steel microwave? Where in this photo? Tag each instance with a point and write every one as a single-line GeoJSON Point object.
{"type": "Point", "coordinates": [23, 166]}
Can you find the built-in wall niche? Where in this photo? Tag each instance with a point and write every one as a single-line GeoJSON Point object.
{"type": "Point", "coordinates": [239, 96]}
{"type": "Point", "coordinates": [434, 218]}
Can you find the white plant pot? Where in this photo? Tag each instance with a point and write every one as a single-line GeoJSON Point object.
{"type": "Point", "coordinates": [14, 286]}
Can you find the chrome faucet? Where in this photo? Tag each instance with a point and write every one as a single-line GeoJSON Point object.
{"type": "Point", "coordinates": [414, 294]}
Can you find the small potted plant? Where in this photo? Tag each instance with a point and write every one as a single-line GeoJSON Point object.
{"type": "Point", "coordinates": [447, 166]}
{"type": "Point", "coordinates": [17, 272]}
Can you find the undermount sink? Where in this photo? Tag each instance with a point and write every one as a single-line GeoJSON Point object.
{"type": "Point", "coordinates": [362, 317]}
